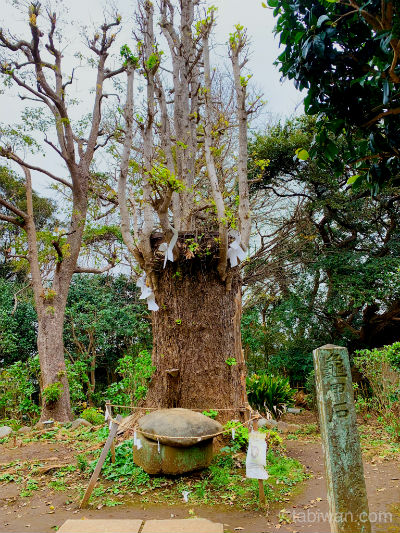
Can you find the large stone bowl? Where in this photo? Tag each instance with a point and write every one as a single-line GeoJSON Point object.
{"type": "Point", "coordinates": [161, 451]}
{"type": "Point", "coordinates": [170, 460]}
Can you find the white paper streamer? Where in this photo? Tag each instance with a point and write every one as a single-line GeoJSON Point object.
{"type": "Point", "coordinates": [168, 249]}
{"type": "Point", "coordinates": [146, 291]}
{"type": "Point", "coordinates": [233, 433]}
{"type": "Point", "coordinates": [235, 251]}
{"type": "Point", "coordinates": [147, 294]}
{"type": "Point", "coordinates": [136, 441]}
{"type": "Point", "coordinates": [185, 494]}
{"type": "Point", "coordinates": [108, 417]}
{"type": "Point", "coordinates": [151, 303]}
{"type": "Point", "coordinates": [158, 446]}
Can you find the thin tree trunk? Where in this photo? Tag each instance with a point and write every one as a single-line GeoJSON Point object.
{"type": "Point", "coordinates": [197, 344]}
{"type": "Point", "coordinates": [92, 378]}
{"type": "Point", "coordinates": [52, 363]}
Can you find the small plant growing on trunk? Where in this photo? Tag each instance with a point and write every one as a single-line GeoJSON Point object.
{"type": "Point", "coordinates": [52, 393]}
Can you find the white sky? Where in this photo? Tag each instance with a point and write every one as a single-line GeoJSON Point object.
{"type": "Point", "coordinates": [282, 98]}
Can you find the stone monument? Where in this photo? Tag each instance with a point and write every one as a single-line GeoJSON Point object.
{"type": "Point", "coordinates": [347, 496]}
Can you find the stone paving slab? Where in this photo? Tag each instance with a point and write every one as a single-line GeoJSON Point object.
{"type": "Point", "coordinates": [101, 526]}
{"type": "Point", "coordinates": [185, 525]}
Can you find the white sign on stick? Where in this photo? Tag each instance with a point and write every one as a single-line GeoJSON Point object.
{"type": "Point", "coordinates": [256, 459]}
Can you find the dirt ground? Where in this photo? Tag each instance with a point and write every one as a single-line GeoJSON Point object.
{"type": "Point", "coordinates": [305, 510]}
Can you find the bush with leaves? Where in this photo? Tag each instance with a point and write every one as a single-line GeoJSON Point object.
{"type": "Point", "coordinates": [18, 323]}
{"type": "Point", "coordinates": [104, 319]}
{"type": "Point", "coordinates": [93, 415]}
{"type": "Point", "coordinates": [19, 390]}
{"type": "Point", "coordinates": [78, 383]}
{"type": "Point", "coordinates": [239, 436]}
{"type": "Point", "coordinates": [52, 392]}
{"type": "Point", "coordinates": [269, 394]}
{"type": "Point", "coordinates": [136, 375]}
{"type": "Point", "coordinates": [380, 367]}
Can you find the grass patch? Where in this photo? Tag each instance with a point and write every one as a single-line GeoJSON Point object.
{"type": "Point", "coordinates": [223, 482]}
{"type": "Point", "coordinates": [377, 443]}
{"type": "Point", "coordinates": [30, 487]}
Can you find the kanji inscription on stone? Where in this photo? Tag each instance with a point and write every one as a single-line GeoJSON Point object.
{"type": "Point", "coordinates": [347, 496]}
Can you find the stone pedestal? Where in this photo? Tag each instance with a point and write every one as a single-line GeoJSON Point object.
{"type": "Point", "coordinates": [160, 458]}
{"type": "Point", "coordinates": [347, 496]}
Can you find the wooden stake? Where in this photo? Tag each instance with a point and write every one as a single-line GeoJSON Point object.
{"type": "Point", "coordinates": [109, 409]}
{"type": "Point", "coordinates": [100, 462]}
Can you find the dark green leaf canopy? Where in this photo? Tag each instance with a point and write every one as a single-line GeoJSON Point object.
{"type": "Point", "coordinates": [345, 56]}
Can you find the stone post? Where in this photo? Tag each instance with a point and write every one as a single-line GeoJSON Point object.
{"type": "Point", "coordinates": [347, 496]}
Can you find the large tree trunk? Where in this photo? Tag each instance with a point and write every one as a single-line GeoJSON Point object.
{"type": "Point", "coordinates": [196, 331]}
{"type": "Point", "coordinates": [52, 363]}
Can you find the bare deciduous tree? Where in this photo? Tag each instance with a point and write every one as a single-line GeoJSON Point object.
{"type": "Point", "coordinates": [35, 67]}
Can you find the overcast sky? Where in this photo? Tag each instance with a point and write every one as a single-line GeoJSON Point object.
{"type": "Point", "coordinates": [282, 98]}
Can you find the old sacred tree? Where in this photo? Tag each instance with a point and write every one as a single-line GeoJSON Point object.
{"type": "Point", "coordinates": [184, 202]}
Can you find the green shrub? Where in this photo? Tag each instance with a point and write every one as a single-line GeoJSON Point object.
{"type": "Point", "coordinates": [212, 413]}
{"type": "Point", "coordinates": [93, 415]}
{"type": "Point", "coordinates": [241, 435]}
{"type": "Point", "coordinates": [393, 355]}
{"type": "Point", "coordinates": [268, 393]}
{"type": "Point", "coordinates": [11, 422]}
{"type": "Point", "coordinates": [19, 387]}
{"type": "Point", "coordinates": [274, 440]}
{"type": "Point", "coordinates": [78, 381]}
{"type": "Point", "coordinates": [380, 367]}
{"type": "Point", "coordinates": [136, 375]}
{"type": "Point", "coordinates": [52, 393]}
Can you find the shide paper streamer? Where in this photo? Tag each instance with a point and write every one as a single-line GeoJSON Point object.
{"type": "Point", "coordinates": [235, 251]}
{"type": "Point", "coordinates": [136, 442]}
{"type": "Point", "coordinates": [168, 249]}
{"type": "Point", "coordinates": [108, 417]}
{"type": "Point", "coordinates": [185, 494]}
{"type": "Point", "coordinates": [147, 294]}
{"type": "Point", "coordinates": [235, 255]}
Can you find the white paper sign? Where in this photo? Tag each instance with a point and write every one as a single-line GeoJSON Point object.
{"type": "Point", "coordinates": [256, 459]}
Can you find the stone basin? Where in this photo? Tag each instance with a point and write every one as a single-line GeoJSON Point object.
{"type": "Point", "coordinates": [158, 458]}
